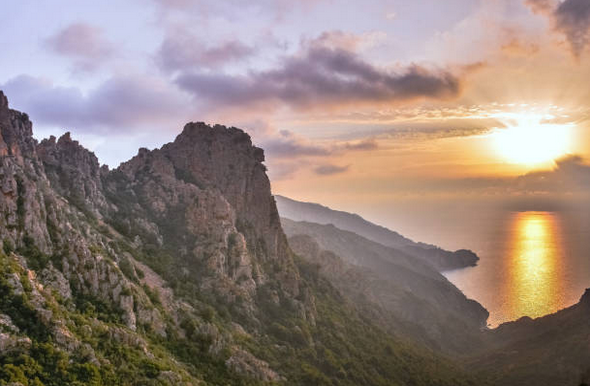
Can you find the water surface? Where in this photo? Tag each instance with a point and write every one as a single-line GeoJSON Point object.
{"type": "Point", "coordinates": [532, 264]}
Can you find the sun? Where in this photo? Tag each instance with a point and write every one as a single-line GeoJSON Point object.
{"type": "Point", "coordinates": [531, 141]}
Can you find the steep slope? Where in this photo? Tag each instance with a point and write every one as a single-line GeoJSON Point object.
{"type": "Point", "coordinates": [552, 350]}
{"type": "Point", "coordinates": [205, 199]}
{"type": "Point", "coordinates": [315, 213]}
{"type": "Point", "coordinates": [68, 312]}
{"type": "Point", "coordinates": [171, 270]}
{"type": "Point", "coordinates": [416, 299]}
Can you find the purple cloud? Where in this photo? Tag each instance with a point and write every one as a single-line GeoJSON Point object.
{"type": "Point", "coordinates": [278, 171]}
{"type": "Point", "coordinates": [183, 51]}
{"type": "Point", "coordinates": [287, 145]}
{"type": "Point", "coordinates": [329, 169]}
{"type": "Point", "coordinates": [572, 18]}
{"type": "Point", "coordinates": [364, 145]}
{"type": "Point", "coordinates": [119, 102]}
{"type": "Point", "coordinates": [232, 9]}
{"type": "Point", "coordinates": [541, 6]}
{"type": "Point", "coordinates": [83, 43]}
{"type": "Point", "coordinates": [571, 174]}
{"type": "Point", "coordinates": [318, 78]}
{"type": "Point", "coordinates": [569, 17]}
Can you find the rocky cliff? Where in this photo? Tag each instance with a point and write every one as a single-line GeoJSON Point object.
{"type": "Point", "coordinates": [172, 269]}
{"type": "Point", "coordinates": [206, 199]}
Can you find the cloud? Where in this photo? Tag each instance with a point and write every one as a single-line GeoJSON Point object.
{"type": "Point", "coordinates": [320, 77]}
{"type": "Point", "coordinates": [571, 174]}
{"type": "Point", "coordinates": [83, 43]}
{"type": "Point", "coordinates": [572, 18]}
{"type": "Point", "coordinates": [284, 170]}
{"type": "Point", "coordinates": [329, 169]}
{"type": "Point", "coordinates": [541, 6]}
{"type": "Point", "coordinates": [288, 145]}
{"type": "Point", "coordinates": [175, 4]}
{"type": "Point", "coordinates": [569, 17]}
{"type": "Point", "coordinates": [570, 177]}
{"type": "Point", "coordinates": [117, 103]}
{"type": "Point", "coordinates": [233, 9]}
{"type": "Point", "coordinates": [347, 41]}
{"type": "Point", "coordinates": [363, 145]}
{"type": "Point", "coordinates": [181, 50]}
{"type": "Point", "coordinates": [520, 48]}
{"type": "Point", "coordinates": [418, 132]}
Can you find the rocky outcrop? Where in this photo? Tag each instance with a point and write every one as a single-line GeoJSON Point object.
{"type": "Point", "coordinates": [74, 172]}
{"type": "Point", "coordinates": [10, 339]}
{"type": "Point", "coordinates": [585, 299]}
{"type": "Point", "coordinates": [212, 184]}
{"type": "Point", "coordinates": [22, 182]}
{"type": "Point", "coordinates": [225, 160]}
{"type": "Point", "coordinates": [245, 363]}
{"type": "Point", "coordinates": [49, 221]}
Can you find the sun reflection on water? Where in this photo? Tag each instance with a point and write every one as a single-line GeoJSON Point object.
{"type": "Point", "coordinates": [534, 271]}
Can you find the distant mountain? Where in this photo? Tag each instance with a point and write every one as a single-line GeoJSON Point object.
{"type": "Point", "coordinates": [408, 298]}
{"type": "Point", "coordinates": [316, 213]}
{"type": "Point", "coordinates": [415, 299]}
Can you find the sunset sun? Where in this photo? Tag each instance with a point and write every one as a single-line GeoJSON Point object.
{"type": "Point", "coordinates": [530, 141]}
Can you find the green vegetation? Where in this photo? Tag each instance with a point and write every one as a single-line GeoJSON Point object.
{"type": "Point", "coordinates": [341, 348]}
{"type": "Point", "coordinates": [113, 327]}
{"type": "Point", "coordinates": [44, 364]}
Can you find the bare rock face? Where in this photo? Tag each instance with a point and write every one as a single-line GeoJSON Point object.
{"type": "Point", "coordinates": [206, 195]}
{"type": "Point", "coordinates": [22, 181]}
{"type": "Point", "coordinates": [74, 172]}
{"type": "Point", "coordinates": [245, 363]}
{"type": "Point", "coordinates": [49, 220]}
{"type": "Point", "coordinates": [75, 232]}
{"type": "Point", "coordinates": [224, 159]}
{"type": "Point", "coordinates": [17, 133]}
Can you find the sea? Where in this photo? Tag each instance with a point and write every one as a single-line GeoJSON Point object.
{"type": "Point", "coordinates": [532, 263]}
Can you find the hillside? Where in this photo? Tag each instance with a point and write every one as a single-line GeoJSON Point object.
{"type": "Point", "coordinates": [315, 213]}
{"type": "Point", "coordinates": [551, 350]}
{"type": "Point", "coordinates": [416, 300]}
{"type": "Point", "coordinates": [172, 269]}
{"type": "Point", "coordinates": [408, 299]}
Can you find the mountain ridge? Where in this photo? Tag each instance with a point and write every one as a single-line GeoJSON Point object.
{"type": "Point", "coordinates": [408, 290]}
{"type": "Point", "coordinates": [317, 213]}
{"type": "Point", "coordinates": [172, 269]}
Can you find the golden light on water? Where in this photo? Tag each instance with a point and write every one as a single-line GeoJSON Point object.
{"type": "Point", "coordinates": [530, 140]}
{"type": "Point", "coordinates": [535, 273]}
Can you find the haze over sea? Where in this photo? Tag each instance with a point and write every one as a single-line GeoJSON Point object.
{"type": "Point", "coordinates": [532, 263]}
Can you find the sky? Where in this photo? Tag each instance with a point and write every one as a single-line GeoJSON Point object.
{"type": "Point", "coordinates": [358, 105]}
